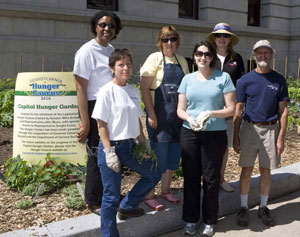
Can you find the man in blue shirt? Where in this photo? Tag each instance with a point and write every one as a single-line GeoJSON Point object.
{"type": "Point", "coordinates": [262, 98]}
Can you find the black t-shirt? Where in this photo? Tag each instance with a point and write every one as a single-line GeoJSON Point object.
{"type": "Point", "coordinates": [234, 67]}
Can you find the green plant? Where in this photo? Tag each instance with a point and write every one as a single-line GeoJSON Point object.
{"type": "Point", "coordinates": [74, 202]}
{"type": "Point", "coordinates": [7, 83]}
{"type": "Point", "coordinates": [141, 154]}
{"type": "Point", "coordinates": [7, 108]}
{"type": "Point", "coordinates": [31, 189]}
{"type": "Point", "coordinates": [297, 121]}
{"type": "Point", "coordinates": [53, 174]}
{"type": "Point", "coordinates": [72, 190]}
{"type": "Point", "coordinates": [290, 123]}
{"type": "Point", "coordinates": [18, 173]}
{"type": "Point", "coordinates": [179, 172]}
{"type": "Point", "coordinates": [25, 204]}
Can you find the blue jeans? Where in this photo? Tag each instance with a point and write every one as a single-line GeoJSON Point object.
{"type": "Point", "coordinates": [112, 184]}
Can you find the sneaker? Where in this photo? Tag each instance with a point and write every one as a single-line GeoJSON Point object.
{"type": "Point", "coordinates": [124, 214]}
{"type": "Point", "coordinates": [207, 230]}
{"type": "Point", "coordinates": [190, 229]}
{"type": "Point", "coordinates": [242, 217]}
{"type": "Point", "coordinates": [226, 187]}
{"type": "Point", "coordinates": [264, 215]}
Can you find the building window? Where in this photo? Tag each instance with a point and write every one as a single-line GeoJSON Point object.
{"type": "Point", "coordinates": [111, 5]}
{"type": "Point", "coordinates": [188, 9]}
{"type": "Point", "coordinates": [253, 12]}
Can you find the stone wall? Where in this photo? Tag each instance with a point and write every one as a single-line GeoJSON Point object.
{"type": "Point", "coordinates": [55, 29]}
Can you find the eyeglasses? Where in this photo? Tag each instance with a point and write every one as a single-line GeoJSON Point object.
{"type": "Point", "coordinates": [110, 26]}
{"type": "Point", "coordinates": [166, 40]}
{"type": "Point", "coordinates": [222, 35]}
{"type": "Point", "coordinates": [206, 54]}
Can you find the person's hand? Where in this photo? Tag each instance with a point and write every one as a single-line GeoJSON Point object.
{"type": "Point", "coordinates": [236, 144]}
{"type": "Point", "coordinates": [193, 124]}
{"type": "Point", "coordinates": [112, 160]}
{"type": "Point", "coordinates": [202, 118]}
{"type": "Point", "coordinates": [279, 146]}
{"type": "Point", "coordinates": [152, 120]}
{"type": "Point", "coordinates": [83, 133]}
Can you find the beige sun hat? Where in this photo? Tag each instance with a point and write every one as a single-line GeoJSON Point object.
{"type": "Point", "coordinates": [222, 28]}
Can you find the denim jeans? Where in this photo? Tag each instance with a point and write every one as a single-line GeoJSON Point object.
{"type": "Point", "coordinates": [167, 153]}
{"type": "Point", "coordinates": [112, 184]}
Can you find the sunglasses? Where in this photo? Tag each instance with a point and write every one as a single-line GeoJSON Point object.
{"type": "Point", "coordinates": [206, 54]}
{"type": "Point", "coordinates": [110, 26]}
{"type": "Point", "coordinates": [222, 35]}
{"type": "Point", "coordinates": [166, 40]}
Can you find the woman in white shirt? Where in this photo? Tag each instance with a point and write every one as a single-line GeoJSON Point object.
{"type": "Point", "coordinates": [91, 72]}
{"type": "Point", "coordinates": [117, 112]}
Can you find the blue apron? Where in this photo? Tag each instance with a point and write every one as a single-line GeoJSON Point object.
{"type": "Point", "coordinates": [165, 104]}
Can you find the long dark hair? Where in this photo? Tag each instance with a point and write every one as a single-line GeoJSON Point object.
{"type": "Point", "coordinates": [211, 49]}
{"type": "Point", "coordinates": [94, 21]}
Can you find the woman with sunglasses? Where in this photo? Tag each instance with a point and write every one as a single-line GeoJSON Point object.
{"type": "Point", "coordinates": [206, 98]}
{"type": "Point", "coordinates": [91, 72]}
{"type": "Point", "coordinates": [231, 62]}
{"type": "Point", "coordinates": [161, 75]}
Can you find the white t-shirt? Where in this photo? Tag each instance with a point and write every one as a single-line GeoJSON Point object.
{"type": "Point", "coordinates": [91, 63]}
{"type": "Point", "coordinates": [120, 108]}
{"type": "Point", "coordinates": [222, 59]}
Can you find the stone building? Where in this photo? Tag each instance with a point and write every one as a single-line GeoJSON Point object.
{"type": "Point", "coordinates": [50, 31]}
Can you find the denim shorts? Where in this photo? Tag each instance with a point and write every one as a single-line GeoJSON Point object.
{"type": "Point", "coordinates": [167, 153]}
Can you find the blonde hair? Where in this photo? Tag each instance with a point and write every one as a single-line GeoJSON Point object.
{"type": "Point", "coordinates": [165, 32]}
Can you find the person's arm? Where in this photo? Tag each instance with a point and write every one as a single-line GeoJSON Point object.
{"type": "Point", "coordinates": [229, 108]}
{"type": "Point", "coordinates": [181, 107]}
{"type": "Point", "coordinates": [283, 117]}
{"type": "Point", "coordinates": [103, 133]}
{"type": "Point", "coordinates": [146, 83]}
{"type": "Point", "coordinates": [84, 129]}
{"type": "Point", "coordinates": [237, 121]}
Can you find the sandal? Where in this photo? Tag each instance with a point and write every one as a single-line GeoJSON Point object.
{"type": "Point", "coordinates": [155, 205]}
{"type": "Point", "coordinates": [170, 198]}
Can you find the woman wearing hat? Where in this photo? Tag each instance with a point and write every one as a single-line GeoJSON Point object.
{"type": "Point", "coordinates": [231, 62]}
{"type": "Point", "coordinates": [161, 76]}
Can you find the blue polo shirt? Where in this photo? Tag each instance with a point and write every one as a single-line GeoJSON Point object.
{"type": "Point", "coordinates": [261, 93]}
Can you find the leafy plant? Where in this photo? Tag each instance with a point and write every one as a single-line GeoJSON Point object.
{"type": "Point", "coordinates": [298, 121]}
{"type": "Point", "coordinates": [179, 172]}
{"type": "Point", "coordinates": [72, 190]}
{"type": "Point", "coordinates": [53, 174]}
{"type": "Point", "coordinates": [73, 199]}
{"type": "Point", "coordinates": [7, 108]}
{"type": "Point", "coordinates": [25, 204]}
{"type": "Point", "coordinates": [32, 189]}
{"type": "Point", "coordinates": [141, 154]}
{"type": "Point", "coordinates": [18, 173]}
{"type": "Point", "coordinates": [74, 202]}
{"type": "Point", "coordinates": [290, 123]}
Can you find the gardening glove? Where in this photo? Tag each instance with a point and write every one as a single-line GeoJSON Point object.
{"type": "Point", "coordinates": [193, 124]}
{"type": "Point", "coordinates": [203, 118]}
{"type": "Point", "coordinates": [112, 160]}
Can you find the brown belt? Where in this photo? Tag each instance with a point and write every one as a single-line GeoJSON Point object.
{"type": "Point", "coordinates": [262, 123]}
